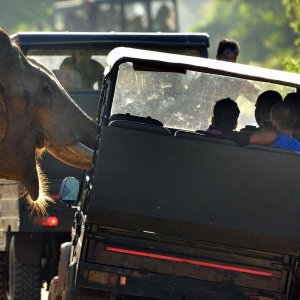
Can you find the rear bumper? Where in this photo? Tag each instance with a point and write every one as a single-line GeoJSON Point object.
{"type": "Point", "coordinates": [155, 267]}
{"type": "Point", "coordinates": [160, 286]}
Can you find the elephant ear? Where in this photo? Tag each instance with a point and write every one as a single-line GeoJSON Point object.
{"type": "Point", "coordinates": [6, 61]}
{"type": "Point", "coordinates": [3, 118]}
{"type": "Point", "coordinates": [6, 52]}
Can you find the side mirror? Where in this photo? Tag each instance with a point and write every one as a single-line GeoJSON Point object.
{"type": "Point", "coordinates": [69, 190]}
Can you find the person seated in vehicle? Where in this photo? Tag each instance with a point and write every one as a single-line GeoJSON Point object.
{"type": "Point", "coordinates": [283, 116]}
{"type": "Point", "coordinates": [267, 134]}
{"type": "Point", "coordinates": [165, 19]}
{"type": "Point", "coordinates": [264, 103]}
{"type": "Point", "coordinates": [90, 70]}
{"type": "Point", "coordinates": [228, 50]}
{"type": "Point", "coordinates": [208, 88]}
{"type": "Point", "coordinates": [285, 129]}
{"type": "Point", "coordinates": [294, 99]}
{"type": "Point", "coordinates": [225, 117]}
{"type": "Point", "coordinates": [136, 24]}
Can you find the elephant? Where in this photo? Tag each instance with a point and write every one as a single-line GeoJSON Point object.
{"type": "Point", "coordinates": [37, 114]}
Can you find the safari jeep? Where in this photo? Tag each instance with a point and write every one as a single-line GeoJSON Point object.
{"type": "Point", "coordinates": [30, 244]}
{"type": "Point", "coordinates": [170, 213]}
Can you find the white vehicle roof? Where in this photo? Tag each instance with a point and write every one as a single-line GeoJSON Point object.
{"type": "Point", "coordinates": [152, 60]}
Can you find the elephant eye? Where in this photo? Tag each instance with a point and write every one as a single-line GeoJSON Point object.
{"type": "Point", "coordinates": [46, 90]}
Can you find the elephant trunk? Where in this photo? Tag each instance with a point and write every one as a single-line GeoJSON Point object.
{"type": "Point", "coordinates": [36, 186]}
{"type": "Point", "coordinates": [76, 154]}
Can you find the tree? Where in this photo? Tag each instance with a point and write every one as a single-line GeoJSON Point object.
{"type": "Point", "coordinates": [34, 15]}
{"type": "Point", "coordinates": [260, 27]}
{"type": "Point", "coordinates": [292, 63]}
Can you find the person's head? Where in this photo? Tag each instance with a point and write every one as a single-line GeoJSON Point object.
{"type": "Point", "coordinates": [294, 99]}
{"type": "Point", "coordinates": [163, 13]}
{"type": "Point", "coordinates": [225, 114]}
{"type": "Point", "coordinates": [165, 19]}
{"type": "Point", "coordinates": [228, 50]}
{"type": "Point", "coordinates": [283, 117]}
{"type": "Point", "coordinates": [81, 56]}
{"type": "Point", "coordinates": [264, 103]}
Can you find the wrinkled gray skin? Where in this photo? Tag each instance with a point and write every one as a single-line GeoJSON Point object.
{"type": "Point", "coordinates": [35, 113]}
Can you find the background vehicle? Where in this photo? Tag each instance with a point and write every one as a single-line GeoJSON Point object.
{"type": "Point", "coordinates": [167, 213]}
{"type": "Point", "coordinates": [29, 244]}
{"type": "Point", "coordinates": [116, 15]}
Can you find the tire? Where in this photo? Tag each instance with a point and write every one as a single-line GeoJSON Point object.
{"type": "Point", "coordinates": [52, 295]}
{"type": "Point", "coordinates": [24, 279]}
{"type": "Point", "coordinates": [64, 261]}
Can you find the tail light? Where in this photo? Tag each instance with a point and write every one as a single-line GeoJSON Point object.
{"type": "Point", "coordinates": [49, 221]}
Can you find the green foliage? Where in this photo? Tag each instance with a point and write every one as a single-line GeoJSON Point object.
{"type": "Point", "coordinates": [292, 64]}
{"type": "Point", "coordinates": [261, 28]}
{"type": "Point", "coordinates": [292, 9]}
{"type": "Point", "coordinates": [29, 15]}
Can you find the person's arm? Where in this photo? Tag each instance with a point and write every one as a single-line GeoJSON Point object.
{"type": "Point", "coordinates": [248, 138]}
{"type": "Point", "coordinates": [263, 137]}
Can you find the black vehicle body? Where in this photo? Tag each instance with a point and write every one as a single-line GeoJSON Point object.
{"type": "Point", "coordinates": [33, 241]}
{"type": "Point", "coordinates": [167, 213]}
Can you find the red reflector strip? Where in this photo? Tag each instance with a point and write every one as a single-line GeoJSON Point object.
{"type": "Point", "coordinates": [190, 261]}
{"type": "Point", "coordinates": [54, 196]}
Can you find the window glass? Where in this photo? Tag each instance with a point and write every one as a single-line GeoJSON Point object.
{"type": "Point", "coordinates": [108, 17]}
{"type": "Point", "coordinates": [76, 70]}
{"type": "Point", "coordinates": [135, 16]}
{"type": "Point", "coordinates": [185, 101]}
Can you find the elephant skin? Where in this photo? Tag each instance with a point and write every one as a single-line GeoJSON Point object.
{"type": "Point", "coordinates": [37, 114]}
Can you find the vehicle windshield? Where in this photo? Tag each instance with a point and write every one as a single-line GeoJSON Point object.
{"type": "Point", "coordinates": [185, 101]}
{"type": "Point", "coordinates": [83, 69]}
{"type": "Point", "coordinates": [78, 69]}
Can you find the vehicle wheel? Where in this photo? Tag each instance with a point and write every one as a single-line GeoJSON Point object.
{"type": "Point", "coordinates": [24, 279]}
{"type": "Point", "coordinates": [52, 295]}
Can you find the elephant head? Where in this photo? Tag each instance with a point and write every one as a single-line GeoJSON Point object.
{"type": "Point", "coordinates": [36, 113]}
